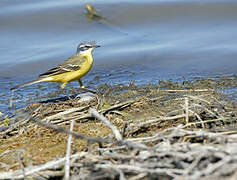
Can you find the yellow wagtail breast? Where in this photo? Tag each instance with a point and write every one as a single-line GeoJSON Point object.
{"type": "Point", "coordinates": [74, 68]}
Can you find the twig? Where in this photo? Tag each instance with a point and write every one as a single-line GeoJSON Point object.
{"type": "Point", "coordinates": [155, 137]}
{"type": "Point", "coordinates": [121, 174]}
{"type": "Point", "coordinates": [114, 129]}
{"type": "Point", "coordinates": [111, 149]}
{"type": "Point", "coordinates": [211, 168]}
{"type": "Point", "coordinates": [186, 110]}
{"type": "Point", "coordinates": [199, 118]}
{"type": "Point", "coordinates": [77, 135]}
{"type": "Point", "coordinates": [156, 98]}
{"type": "Point", "coordinates": [22, 121]}
{"type": "Point", "coordinates": [154, 120]}
{"type": "Point", "coordinates": [116, 106]}
{"type": "Point", "coordinates": [11, 100]}
{"type": "Point", "coordinates": [198, 98]}
{"type": "Point", "coordinates": [68, 111]}
{"type": "Point", "coordinates": [102, 111]}
{"type": "Point", "coordinates": [134, 168]}
{"type": "Point", "coordinates": [68, 153]}
{"type": "Point", "coordinates": [10, 151]}
{"type": "Point", "coordinates": [219, 102]}
{"type": "Point", "coordinates": [19, 158]}
{"type": "Point", "coordinates": [209, 111]}
{"type": "Point", "coordinates": [31, 170]}
{"type": "Point", "coordinates": [193, 165]}
{"type": "Point", "coordinates": [50, 173]}
{"type": "Point", "coordinates": [139, 176]}
{"type": "Point", "coordinates": [203, 122]}
{"type": "Point", "coordinates": [187, 90]}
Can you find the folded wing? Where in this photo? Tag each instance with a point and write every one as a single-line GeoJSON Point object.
{"type": "Point", "coordinates": [71, 64]}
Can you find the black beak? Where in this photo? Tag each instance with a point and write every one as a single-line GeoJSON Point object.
{"type": "Point", "coordinates": [96, 46]}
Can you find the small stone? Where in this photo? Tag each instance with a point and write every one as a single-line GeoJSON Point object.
{"type": "Point", "coordinates": [86, 96]}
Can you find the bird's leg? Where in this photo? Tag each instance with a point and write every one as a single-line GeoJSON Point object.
{"type": "Point", "coordinates": [81, 85]}
{"type": "Point", "coordinates": [64, 84]}
{"type": "Point", "coordinates": [58, 84]}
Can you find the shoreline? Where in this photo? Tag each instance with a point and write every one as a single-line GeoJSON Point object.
{"type": "Point", "coordinates": [144, 115]}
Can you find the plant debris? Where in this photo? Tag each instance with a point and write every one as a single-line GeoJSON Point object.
{"type": "Point", "coordinates": [170, 130]}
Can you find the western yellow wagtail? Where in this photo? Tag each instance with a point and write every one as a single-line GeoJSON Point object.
{"type": "Point", "coordinates": [74, 68]}
{"type": "Point", "coordinates": [92, 14]}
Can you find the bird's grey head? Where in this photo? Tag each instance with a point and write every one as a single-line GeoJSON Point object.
{"type": "Point", "coordinates": [85, 46]}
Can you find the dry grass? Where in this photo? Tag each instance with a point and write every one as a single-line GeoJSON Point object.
{"type": "Point", "coordinates": [168, 131]}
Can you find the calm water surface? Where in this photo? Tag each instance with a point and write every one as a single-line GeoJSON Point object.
{"type": "Point", "coordinates": [141, 40]}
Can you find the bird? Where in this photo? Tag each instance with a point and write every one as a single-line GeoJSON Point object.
{"type": "Point", "coordinates": [72, 69]}
{"type": "Point", "coordinates": [92, 14]}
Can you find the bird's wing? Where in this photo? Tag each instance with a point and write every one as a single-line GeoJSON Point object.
{"type": "Point", "coordinates": [71, 64]}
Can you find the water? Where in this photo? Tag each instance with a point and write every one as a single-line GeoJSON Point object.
{"type": "Point", "coordinates": [141, 40]}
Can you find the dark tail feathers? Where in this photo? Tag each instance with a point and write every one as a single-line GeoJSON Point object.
{"type": "Point", "coordinates": [25, 84]}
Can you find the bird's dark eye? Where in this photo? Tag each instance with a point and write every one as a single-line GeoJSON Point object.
{"type": "Point", "coordinates": [88, 47]}
{"type": "Point", "coordinates": [84, 48]}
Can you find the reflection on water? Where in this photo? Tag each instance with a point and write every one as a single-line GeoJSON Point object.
{"type": "Point", "coordinates": [144, 40]}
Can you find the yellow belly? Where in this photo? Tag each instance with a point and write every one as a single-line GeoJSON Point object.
{"type": "Point", "coordinates": [74, 75]}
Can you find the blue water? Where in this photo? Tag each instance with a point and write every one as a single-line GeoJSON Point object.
{"type": "Point", "coordinates": [142, 40]}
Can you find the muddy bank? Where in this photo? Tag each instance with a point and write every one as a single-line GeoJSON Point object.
{"type": "Point", "coordinates": [166, 130]}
